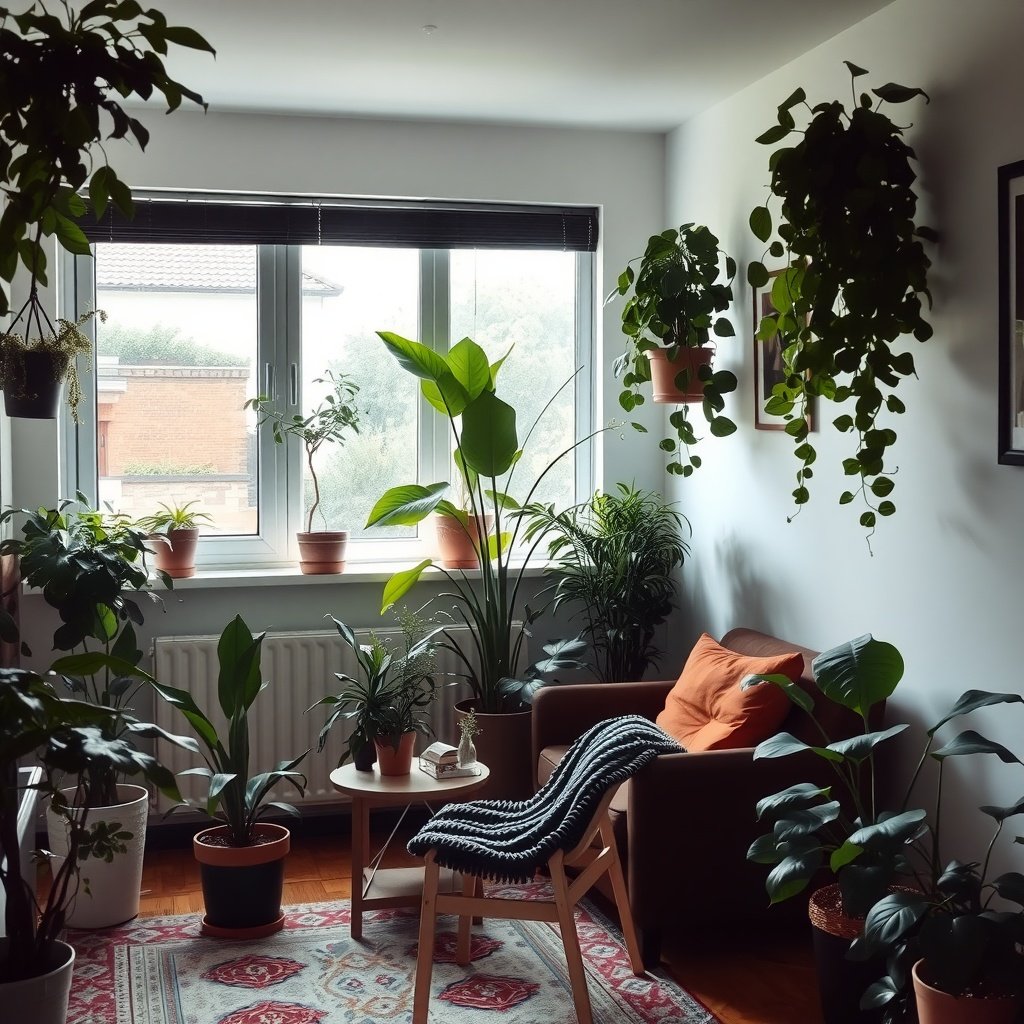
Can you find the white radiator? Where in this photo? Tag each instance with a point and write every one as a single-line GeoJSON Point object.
{"type": "Point", "coordinates": [300, 667]}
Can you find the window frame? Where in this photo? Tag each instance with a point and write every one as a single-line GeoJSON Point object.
{"type": "Point", "coordinates": [279, 354]}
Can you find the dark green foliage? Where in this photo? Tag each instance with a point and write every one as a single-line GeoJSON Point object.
{"type": "Point", "coordinates": [677, 301]}
{"type": "Point", "coordinates": [62, 80]}
{"type": "Point", "coordinates": [856, 278]}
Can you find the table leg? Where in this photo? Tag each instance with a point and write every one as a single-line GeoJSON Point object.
{"type": "Point", "coordinates": [360, 855]}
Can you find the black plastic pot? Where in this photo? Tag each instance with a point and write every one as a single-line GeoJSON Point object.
{"type": "Point", "coordinates": [842, 982]}
{"type": "Point", "coordinates": [37, 395]}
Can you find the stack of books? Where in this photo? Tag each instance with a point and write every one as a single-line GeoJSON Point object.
{"type": "Point", "coordinates": [441, 761]}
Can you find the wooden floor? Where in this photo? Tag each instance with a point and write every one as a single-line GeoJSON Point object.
{"type": "Point", "coordinates": [756, 982]}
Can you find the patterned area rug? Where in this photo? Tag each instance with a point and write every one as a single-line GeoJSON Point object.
{"type": "Point", "coordinates": [160, 971]}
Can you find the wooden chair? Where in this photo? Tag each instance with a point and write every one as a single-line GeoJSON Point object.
{"type": "Point", "coordinates": [471, 904]}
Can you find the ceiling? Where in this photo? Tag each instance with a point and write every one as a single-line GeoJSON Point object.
{"type": "Point", "coordinates": [628, 64]}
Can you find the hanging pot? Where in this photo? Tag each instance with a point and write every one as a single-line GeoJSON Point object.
{"type": "Point", "coordinates": [504, 744]}
{"type": "Point", "coordinates": [176, 555]}
{"type": "Point", "coordinates": [242, 885]}
{"type": "Point", "coordinates": [112, 894]}
{"type": "Point", "coordinates": [841, 982]}
{"type": "Point", "coordinates": [937, 1007]}
{"type": "Point", "coordinates": [395, 759]}
{"type": "Point", "coordinates": [36, 396]}
{"type": "Point", "coordinates": [664, 374]}
{"type": "Point", "coordinates": [323, 552]}
{"type": "Point", "coordinates": [43, 999]}
{"type": "Point", "coordinates": [456, 545]}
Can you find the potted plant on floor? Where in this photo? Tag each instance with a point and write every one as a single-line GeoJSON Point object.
{"type": "Point", "coordinates": [64, 737]}
{"type": "Point", "coordinates": [174, 531]}
{"type": "Point", "coordinates": [389, 700]}
{"type": "Point", "coordinates": [88, 564]}
{"type": "Point", "coordinates": [62, 79]}
{"type": "Point", "coordinates": [855, 281]}
{"type": "Point", "coordinates": [323, 551]}
{"type": "Point", "coordinates": [241, 860]}
{"type": "Point", "coordinates": [460, 387]}
{"type": "Point", "coordinates": [678, 303]}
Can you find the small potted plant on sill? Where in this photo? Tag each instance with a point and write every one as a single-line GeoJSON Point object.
{"type": "Point", "coordinates": [241, 860]}
{"type": "Point", "coordinates": [63, 736]}
{"type": "Point", "coordinates": [320, 552]}
{"type": "Point", "coordinates": [174, 531]}
{"type": "Point", "coordinates": [389, 701]}
{"type": "Point", "coordinates": [677, 304]}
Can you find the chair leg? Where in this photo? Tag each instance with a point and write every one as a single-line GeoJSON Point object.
{"type": "Point", "coordinates": [462, 948]}
{"type": "Point", "coordinates": [478, 891]}
{"type": "Point", "coordinates": [622, 900]}
{"type": "Point", "coordinates": [570, 940]}
{"type": "Point", "coordinates": [425, 954]}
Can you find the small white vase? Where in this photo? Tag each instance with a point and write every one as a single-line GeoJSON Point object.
{"type": "Point", "coordinates": [467, 751]}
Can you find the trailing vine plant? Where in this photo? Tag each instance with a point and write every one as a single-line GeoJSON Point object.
{"type": "Point", "coordinates": [856, 276]}
{"type": "Point", "coordinates": [677, 302]}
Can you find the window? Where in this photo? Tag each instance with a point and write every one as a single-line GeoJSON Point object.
{"type": "Point", "coordinates": [209, 303]}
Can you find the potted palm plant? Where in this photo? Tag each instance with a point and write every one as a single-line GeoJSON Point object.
{"type": "Point", "coordinates": [241, 860]}
{"type": "Point", "coordinates": [389, 701]}
{"type": "Point", "coordinates": [323, 551]}
{"type": "Point", "coordinates": [62, 78]}
{"type": "Point", "coordinates": [460, 387]}
{"type": "Point", "coordinates": [677, 305]}
{"type": "Point", "coordinates": [174, 531]}
{"type": "Point", "coordinates": [88, 565]}
{"type": "Point", "coordinates": [66, 737]}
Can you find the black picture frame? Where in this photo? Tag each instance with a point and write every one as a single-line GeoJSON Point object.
{"type": "Point", "coordinates": [1011, 313]}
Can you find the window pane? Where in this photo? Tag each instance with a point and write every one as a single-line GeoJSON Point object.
{"type": "Point", "coordinates": [526, 301]}
{"type": "Point", "coordinates": [176, 361]}
{"type": "Point", "coordinates": [348, 295]}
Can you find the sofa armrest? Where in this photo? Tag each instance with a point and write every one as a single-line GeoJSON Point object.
{"type": "Point", "coordinates": [562, 714]}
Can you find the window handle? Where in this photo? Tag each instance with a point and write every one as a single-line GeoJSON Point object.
{"type": "Point", "coordinates": [269, 384]}
{"type": "Point", "coordinates": [293, 384]}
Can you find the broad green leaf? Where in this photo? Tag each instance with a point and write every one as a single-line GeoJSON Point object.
{"type": "Point", "coordinates": [971, 700]}
{"type": "Point", "coordinates": [761, 223]}
{"type": "Point", "coordinates": [858, 748]}
{"type": "Point", "coordinates": [893, 93]}
{"type": "Point", "coordinates": [855, 70]}
{"type": "Point", "coordinates": [492, 545]}
{"type": "Point", "coordinates": [892, 831]}
{"type": "Point", "coordinates": [1002, 813]}
{"type": "Point", "coordinates": [426, 364]}
{"type": "Point", "coordinates": [801, 821]}
{"type": "Point", "coordinates": [503, 500]}
{"type": "Point", "coordinates": [406, 504]}
{"type": "Point", "coordinates": [496, 366]}
{"type": "Point", "coordinates": [970, 742]}
{"type": "Point", "coordinates": [401, 583]}
{"type": "Point", "coordinates": [845, 854]}
{"type": "Point", "coordinates": [468, 364]}
{"type": "Point", "coordinates": [757, 275]}
{"type": "Point", "coordinates": [238, 680]}
{"type": "Point", "coordinates": [783, 744]}
{"type": "Point", "coordinates": [860, 673]}
{"type": "Point", "coordinates": [792, 875]}
{"type": "Point", "coordinates": [1010, 886]}
{"type": "Point", "coordinates": [892, 917]}
{"type": "Point", "coordinates": [489, 441]}
{"type": "Point", "coordinates": [91, 662]}
{"type": "Point", "coordinates": [469, 475]}
{"type": "Point", "coordinates": [764, 850]}
{"type": "Point", "coordinates": [795, 796]}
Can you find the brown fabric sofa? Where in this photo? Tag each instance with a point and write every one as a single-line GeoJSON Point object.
{"type": "Point", "coordinates": [685, 821]}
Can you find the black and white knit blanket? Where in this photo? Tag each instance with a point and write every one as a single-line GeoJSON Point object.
{"type": "Point", "coordinates": [508, 840]}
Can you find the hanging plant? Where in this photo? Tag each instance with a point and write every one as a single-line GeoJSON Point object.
{"type": "Point", "coordinates": [675, 308]}
{"type": "Point", "coordinates": [856, 276]}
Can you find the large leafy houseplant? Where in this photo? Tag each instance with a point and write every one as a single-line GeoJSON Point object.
{"type": "Point", "coordinates": [855, 278]}
{"type": "Point", "coordinates": [63, 77]}
{"type": "Point", "coordinates": [66, 738]}
{"type": "Point", "coordinates": [487, 450]}
{"type": "Point", "coordinates": [612, 559]}
{"type": "Point", "coordinates": [678, 302]}
{"type": "Point", "coordinates": [88, 564]}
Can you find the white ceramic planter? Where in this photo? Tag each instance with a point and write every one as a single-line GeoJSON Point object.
{"type": "Point", "coordinates": [113, 889]}
{"type": "Point", "coordinates": [41, 1000]}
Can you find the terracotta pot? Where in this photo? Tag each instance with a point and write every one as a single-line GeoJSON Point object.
{"type": "Point", "coordinates": [392, 760]}
{"type": "Point", "coordinates": [176, 555]}
{"type": "Point", "coordinates": [937, 1007]}
{"type": "Point", "coordinates": [664, 373]}
{"type": "Point", "coordinates": [505, 745]}
{"type": "Point", "coordinates": [242, 885]}
{"type": "Point", "coordinates": [456, 546]}
{"type": "Point", "coordinates": [37, 397]}
{"type": "Point", "coordinates": [323, 552]}
{"type": "Point", "coordinates": [43, 999]}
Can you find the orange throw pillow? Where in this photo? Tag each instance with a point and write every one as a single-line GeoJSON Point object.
{"type": "Point", "coordinates": [707, 709]}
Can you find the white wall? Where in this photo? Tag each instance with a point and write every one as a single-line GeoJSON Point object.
{"type": "Point", "coordinates": [946, 578]}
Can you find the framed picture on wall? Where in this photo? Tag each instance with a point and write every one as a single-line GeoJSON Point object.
{"type": "Point", "coordinates": [768, 370]}
{"type": "Point", "coordinates": [1011, 314]}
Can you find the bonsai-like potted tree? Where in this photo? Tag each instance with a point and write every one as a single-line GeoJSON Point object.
{"type": "Point", "coordinates": [321, 552]}
{"type": "Point", "coordinates": [174, 532]}
{"type": "Point", "coordinates": [241, 860]}
{"type": "Point", "coordinates": [461, 388]}
{"type": "Point", "coordinates": [65, 737]}
{"type": "Point", "coordinates": [88, 564]}
{"type": "Point", "coordinates": [389, 700]}
{"type": "Point", "coordinates": [677, 305]}
{"type": "Point", "coordinates": [855, 279]}
{"type": "Point", "coordinates": [62, 79]}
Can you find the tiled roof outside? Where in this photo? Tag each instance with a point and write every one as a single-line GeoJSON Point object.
{"type": "Point", "coordinates": [179, 268]}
